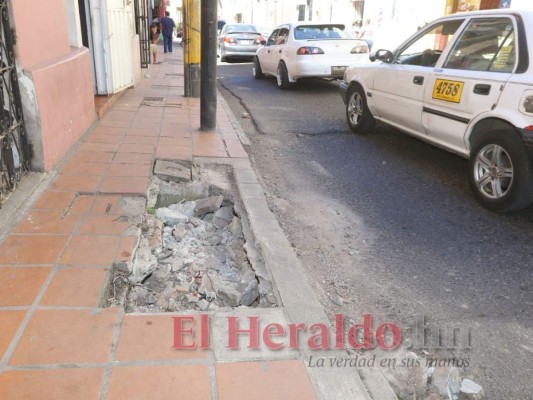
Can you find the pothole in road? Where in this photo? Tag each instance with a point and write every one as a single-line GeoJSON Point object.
{"type": "Point", "coordinates": [195, 250]}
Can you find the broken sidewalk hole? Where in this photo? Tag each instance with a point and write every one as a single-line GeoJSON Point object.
{"type": "Point", "coordinates": [153, 102]}
{"type": "Point", "coordinates": [195, 250]}
{"type": "Point", "coordinates": [160, 101]}
{"type": "Point", "coordinates": [153, 99]}
{"type": "Point", "coordinates": [171, 103]}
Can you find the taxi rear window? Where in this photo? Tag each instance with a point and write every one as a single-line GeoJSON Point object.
{"type": "Point", "coordinates": [303, 32]}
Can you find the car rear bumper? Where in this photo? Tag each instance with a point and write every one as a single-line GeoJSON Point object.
{"type": "Point", "coordinates": [310, 70]}
{"type": "Point", "coordinates": [304, 67]}
{"type": "Point", "coordinates": [239, 51]}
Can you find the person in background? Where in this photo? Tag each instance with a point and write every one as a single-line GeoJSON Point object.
{"type": "Point", "coordinates": [356, 27]}
{"type": "Point", "coordinates": [153, 43]}
{"type": "Point", "coordinates": [367, 33]}
{"type": "Point", "coordinates": [167, 28]}
{"type": "Point", "coordinates": [179, 34]}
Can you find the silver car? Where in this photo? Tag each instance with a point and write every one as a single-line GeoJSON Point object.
{"type": "Point", "coordinates": [238, 41]}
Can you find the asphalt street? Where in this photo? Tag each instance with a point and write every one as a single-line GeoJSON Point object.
{"type": "Point", "coordinates": [424, 246]}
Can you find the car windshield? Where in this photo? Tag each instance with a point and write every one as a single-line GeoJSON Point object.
{"type": "Point", "coordinates": [430, 45]}
{"type": "Point", "coordinates": [305, 32]}
{"type": "Point", "coordinates": [241, 28]}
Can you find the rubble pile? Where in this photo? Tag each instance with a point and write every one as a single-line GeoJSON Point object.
{"type": "Point", "coordinates": [192, 255]}
{"type": "Point", "coordinates": [425, 379]}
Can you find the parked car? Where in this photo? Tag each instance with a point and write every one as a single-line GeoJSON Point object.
{"type": "Point", "coordinates": [238, 41]}
{"type": "Point", "coordinates": [307, 49]}
{"type": "Point", "coordinates": [464, 83]}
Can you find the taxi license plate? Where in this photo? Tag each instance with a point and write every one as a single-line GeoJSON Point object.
{"type": "Point", "coordinates": [448, 90]}
{"type": "Point", "coordinates": [338, 71]}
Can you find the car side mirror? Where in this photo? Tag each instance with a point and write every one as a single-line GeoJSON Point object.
{"type": "Point", "coordinates": [382, 55]}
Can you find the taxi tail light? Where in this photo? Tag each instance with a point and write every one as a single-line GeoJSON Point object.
{"type": "Point", "coordinates": [360, 49]}
{"type": "Point", "coordinates": [529, 128]}
{"type": "Point", "coordinates": [229, 40]}
{"type": "Point", "coordinates": [308, 50]}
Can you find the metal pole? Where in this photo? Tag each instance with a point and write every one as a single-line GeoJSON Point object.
{"type": "Point", "coordinates": [208, 98]}
{"type": "Point", "coordinates": [191, 11]}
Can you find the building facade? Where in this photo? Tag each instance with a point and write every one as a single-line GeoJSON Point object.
{"type": "Point", "coordinates": [65, 53]}
{"type": "Point", "coordinates": [54, 70]}
{"type": "Point", "coordinates": [390, 13]}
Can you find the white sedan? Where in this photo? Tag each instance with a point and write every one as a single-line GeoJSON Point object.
{"type": "Point", "coordinates": [306, 49]}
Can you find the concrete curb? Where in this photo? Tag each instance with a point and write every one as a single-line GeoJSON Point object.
{"type": "Point", "coordinates": [234, 122]}
{"type": "Point", "coordinates": [299, 301]}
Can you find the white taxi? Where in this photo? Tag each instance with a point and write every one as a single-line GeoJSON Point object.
{"type": "Point", "coordinates": [464, 83]}
{"type": "Point", "coordinates": [308, 49]}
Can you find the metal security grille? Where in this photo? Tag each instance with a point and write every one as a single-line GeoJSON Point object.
{"type": "Point", "coordinates": [141, 25]}
{"type": "Point", "coordinates": [14, 146]}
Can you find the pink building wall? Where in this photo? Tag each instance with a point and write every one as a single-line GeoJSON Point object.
{"type": "Point", "coordinates": [61, 76]}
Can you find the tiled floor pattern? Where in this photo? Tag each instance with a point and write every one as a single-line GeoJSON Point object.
{"type": "Point", "coordinates": [56, 340]}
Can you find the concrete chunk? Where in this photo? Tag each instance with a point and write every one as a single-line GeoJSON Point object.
{"type": "Point", "coordinates": [179, 233]}
{"type": "Point", "coordinates": [223, 217]}
{"type": "Point", "coordinates": [171, 217]}
{"type": "Point", "coordinates": [471, 390]}
{"type": "Point", "coordinates": [229, 295]}
{"type": "Point", "coordinates": [250, 293]}
{"type": "Point", "coordinates": [172, 171]}
{"type": "Point", "coordinates": [208, 205]}
{"type": "Point", "coordinates": [186, 208]}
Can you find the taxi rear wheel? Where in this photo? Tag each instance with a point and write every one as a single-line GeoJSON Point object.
{"type": "Point", "coordinates": [282, 77]}
{"type": "Point", "coordinates": [500, 172]}
{"type": "Point", "coordinates": [359, 117]}
{"type": "Point", "coordinates": [257, 71]}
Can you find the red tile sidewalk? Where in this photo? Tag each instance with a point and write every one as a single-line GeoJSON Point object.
{"type": "Point", "coordinates": [56, 340]}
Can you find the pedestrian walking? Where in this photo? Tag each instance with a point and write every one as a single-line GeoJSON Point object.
{"type": "Point", "coordinates": [167, 28]}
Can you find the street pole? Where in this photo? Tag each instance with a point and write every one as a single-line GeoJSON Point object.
{"type": "Point", "coordinates": [208, 98]}
{"type": "Point", "coordinates": [191, 19]}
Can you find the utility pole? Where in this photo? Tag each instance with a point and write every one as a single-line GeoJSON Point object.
{"type": "Point", "coordinates": [208, 98]}
{"type": "Point", "coordinates": [191, 22]}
